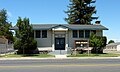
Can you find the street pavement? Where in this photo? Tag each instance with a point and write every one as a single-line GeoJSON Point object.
{"type": "Point", "coordinates": [60, 65]}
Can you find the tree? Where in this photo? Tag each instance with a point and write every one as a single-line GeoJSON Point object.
{"type": "Point", "coordinates": [111, 41]}
{"type": "Point", "coordinates": [25, 43]}
{"type": "Point", "coordinates": [98, 43]}
{"type": "Point", "coordinates": [5, 26]}
{"type": "Point", "coordinates": [80, 12]}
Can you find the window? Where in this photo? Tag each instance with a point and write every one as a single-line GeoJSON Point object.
{"type": "Point", "coordinates": [44, 33]}
{"type": "Point", "coordinates": [81, 34]}
{"type": "Point", "coordinates": [87, 33]}
{"type": "Point", "coordinates": [38, 32]}
{"type": "Point", "coordinates": [75, 34]}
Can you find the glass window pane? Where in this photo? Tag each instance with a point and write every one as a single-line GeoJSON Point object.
{"type": "Point", "coordinates": [44, 33]}
{"type": "Point", "coordinates": [75, 34]}
{"type": "Point", "coordinates": [81, 34]}
{"type": "Point", "coordinates": [87, 34]}
{"type": "Point", "coordinates": [38, 34]}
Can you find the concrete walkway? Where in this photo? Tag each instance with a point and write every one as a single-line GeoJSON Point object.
{"type": "Point", "coordinates": [60, 56]}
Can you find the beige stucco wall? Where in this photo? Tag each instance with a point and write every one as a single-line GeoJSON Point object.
{"type": "Point", "coordinates": [45, 42]}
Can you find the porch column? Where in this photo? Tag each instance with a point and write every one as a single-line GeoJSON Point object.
{"type": "Point", "coordinates": [53, 40]}
{"type": "Point", "coordinates": [66, 41]}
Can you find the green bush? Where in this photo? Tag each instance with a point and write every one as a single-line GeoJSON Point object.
{"type": "Point", "coordinates": [17, 44]}
{"type": "Point", "coordinates": [29, 47]}
{"type": "Point", "coordinates": [98, 43]}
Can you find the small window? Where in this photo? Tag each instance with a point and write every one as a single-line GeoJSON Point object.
{"type": "Point", "coordinates": [44, 33]}
{"type": "Point", "coordinates": [38, 32]}
{"type": "Point", "coordinates": [87, 34]}
{"type": "Point", "coordinates": [75, 34]}
{"type": "Point", "coordinates": [81, 34]}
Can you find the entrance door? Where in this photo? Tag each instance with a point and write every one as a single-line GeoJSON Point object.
{"type": "Point", "coordinates": [59, 43]}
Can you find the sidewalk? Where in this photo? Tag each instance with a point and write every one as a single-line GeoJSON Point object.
{"type": "Point", "coordinates": [31, 58]}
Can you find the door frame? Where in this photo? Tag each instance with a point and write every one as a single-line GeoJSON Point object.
{"type": "Point", "coordinates": [64, 43]}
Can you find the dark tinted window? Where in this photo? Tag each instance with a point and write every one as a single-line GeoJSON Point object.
{"type": "Point", "coordinates": [38, 32]}
{"type": "Point", "coordinates": [75, 34]}
{"type": "Point", "coordinates": [44, 33]}
{"type": "Point", "coordinates": [87, 34]}
{"type": "Point", "coordinates": [81, 34]}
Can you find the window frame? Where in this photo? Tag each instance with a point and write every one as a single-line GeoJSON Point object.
{"type": "Point", "coordinates": [86, 34]}
{"type": "Point", "coordinates": [81, 35]}
{"type": "Point", "coordinates": [44, 33]}
{"type": "Point", "coordinates": [37, 33]}
{"type": "Point", "coordinates": [75, 34]}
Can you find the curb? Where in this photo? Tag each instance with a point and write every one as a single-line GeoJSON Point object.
{"type": "Point", "coordinates": [30, 58]}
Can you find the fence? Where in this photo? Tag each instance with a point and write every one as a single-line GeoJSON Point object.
{"type": "Point", "coordinates": [6, 48]}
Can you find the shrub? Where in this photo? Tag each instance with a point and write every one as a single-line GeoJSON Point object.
{"type": "Point", "coordinates": [29, 47]}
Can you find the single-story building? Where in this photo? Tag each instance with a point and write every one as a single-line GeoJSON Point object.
{"type": "Point", "coordinates": [112, 48]}
{"type": "Point", "coordinates": [54, 37]}
{"type": "Point", "coordinates": [64, 36]}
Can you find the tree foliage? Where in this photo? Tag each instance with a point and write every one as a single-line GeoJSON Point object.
{"type": "Point", "coordinates": [98, 43]}
{"type": "Point", "coordinates": [25, 43]}
{"type": "Point", "coordinates": [80, 12]}
{"type": "Point", "coordinates": [5, 26]}
{"type": "Point", "coordinates": [111, 41]}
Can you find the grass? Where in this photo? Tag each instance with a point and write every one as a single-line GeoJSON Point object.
{"type": "Point", "coordinates": [20, 55]}
{"type": "Point", "coordinates": [47, 55]}
{"type": "Point", "coordinates": [42, 55]}
{"type": "Point", "coordinates": [95, 55]}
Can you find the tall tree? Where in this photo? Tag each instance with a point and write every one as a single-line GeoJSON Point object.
{"type": "Point", "coordinates": [25, 43]}
{"type": "Point", "coordinates": [5, 25]}
{"type": "Point", "coordinates": [80, 12]}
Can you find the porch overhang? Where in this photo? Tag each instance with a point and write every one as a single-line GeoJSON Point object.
{"type": "Point", "coordinates": [59, 29]}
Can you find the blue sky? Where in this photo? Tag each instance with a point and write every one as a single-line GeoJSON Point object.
{"type": "Point", "coordinates": [52, 12]}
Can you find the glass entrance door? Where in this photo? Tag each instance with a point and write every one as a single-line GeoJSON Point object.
{"type": "Point", "coordinates": [59, 43]}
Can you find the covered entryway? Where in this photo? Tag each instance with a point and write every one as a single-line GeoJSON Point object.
{"type": "Point", "coordinates": [60, 39]}
{"type": "Point", "coordinates": [59, 43]}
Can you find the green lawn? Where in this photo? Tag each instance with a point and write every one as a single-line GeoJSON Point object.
{"type": "Point", "coordinates": [34, 55]}
{"type": "Point", "coordinates": [47, 55]}
{"type": "Point", "coordinates": [95, 55]}
{"type": "Point", "coordinates": [42, 55]}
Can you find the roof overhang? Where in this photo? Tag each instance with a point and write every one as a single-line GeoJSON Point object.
{"type": "Point", "coordinates": [65, 27]}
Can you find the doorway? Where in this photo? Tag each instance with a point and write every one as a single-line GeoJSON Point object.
{"type": "Point", "coordinates": [59, 43]}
